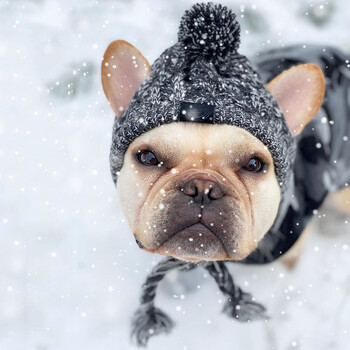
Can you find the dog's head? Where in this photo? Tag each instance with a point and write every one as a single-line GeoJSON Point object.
{"type": "Point", "coordinates": [202, 191]}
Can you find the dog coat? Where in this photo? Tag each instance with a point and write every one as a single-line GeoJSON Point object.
{"type": "Point", "coordinates": [322, 162]}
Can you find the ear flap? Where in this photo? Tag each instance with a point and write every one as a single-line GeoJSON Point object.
{"type": "Point", "coordinates": [122, 72]}
{"type": "Point", "coordinates": [299, 92]}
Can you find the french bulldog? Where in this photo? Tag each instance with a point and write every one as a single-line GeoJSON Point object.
{"type": "Point", "coordinates": [216, 160]}
{"type": "Point", "coordinates": [199, 191]}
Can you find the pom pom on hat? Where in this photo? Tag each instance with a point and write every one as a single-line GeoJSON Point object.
{"type": "Point", "coordinates": [209, 30]}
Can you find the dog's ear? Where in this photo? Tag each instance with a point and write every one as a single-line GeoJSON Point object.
{"type": "Point", "coordinates": [299, 92]}
{"type": "Point", "coordinates": [122, 72]}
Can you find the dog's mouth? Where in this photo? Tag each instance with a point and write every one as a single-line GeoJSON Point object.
{"type": "Point", "coordinates": [194, 243]}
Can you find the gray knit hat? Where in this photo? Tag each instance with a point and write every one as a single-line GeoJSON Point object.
{"type": "Point", "coordinates": [202, 78]}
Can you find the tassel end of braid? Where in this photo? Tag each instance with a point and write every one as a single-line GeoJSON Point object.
{"type": "Point", "coordinates": [245, 309]}
{"type": "Point", "coordinates": [146, 324]}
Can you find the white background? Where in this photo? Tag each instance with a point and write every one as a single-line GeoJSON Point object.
{"type": "Point", "coordinates": [70, 270]}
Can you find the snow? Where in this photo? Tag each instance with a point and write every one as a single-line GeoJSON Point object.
{"type": "Point", "coordinates": [70, 270]}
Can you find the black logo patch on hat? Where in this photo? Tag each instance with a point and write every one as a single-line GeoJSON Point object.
{"type": "Point", "coordinates": [196, 112]}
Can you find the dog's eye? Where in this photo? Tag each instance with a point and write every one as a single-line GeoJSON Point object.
{"type": "Point", "coordinates": [254, 165]}
{"type": "Point", "coordinates": [147, 157]}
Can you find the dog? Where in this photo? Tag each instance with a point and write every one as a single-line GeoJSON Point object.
{"type": "Point", "coordinates": [199, 158]}
{"type": "Point", "coordinates": [203, 191]}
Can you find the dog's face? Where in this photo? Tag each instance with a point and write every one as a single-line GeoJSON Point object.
{"type": "Point", "coordinates": [205, 192]}
{"type": "Point", "coordinates": [202, 191]}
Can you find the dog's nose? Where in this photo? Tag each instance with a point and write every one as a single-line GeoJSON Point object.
{"type": "Point", "coordinates": [202, 190]}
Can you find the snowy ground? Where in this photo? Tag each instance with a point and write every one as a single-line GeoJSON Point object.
{"type": "Point", "coordinates": [70, 270]}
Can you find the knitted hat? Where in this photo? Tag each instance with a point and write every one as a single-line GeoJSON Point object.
{"type": "Point", "coordinates": [202, 78]}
